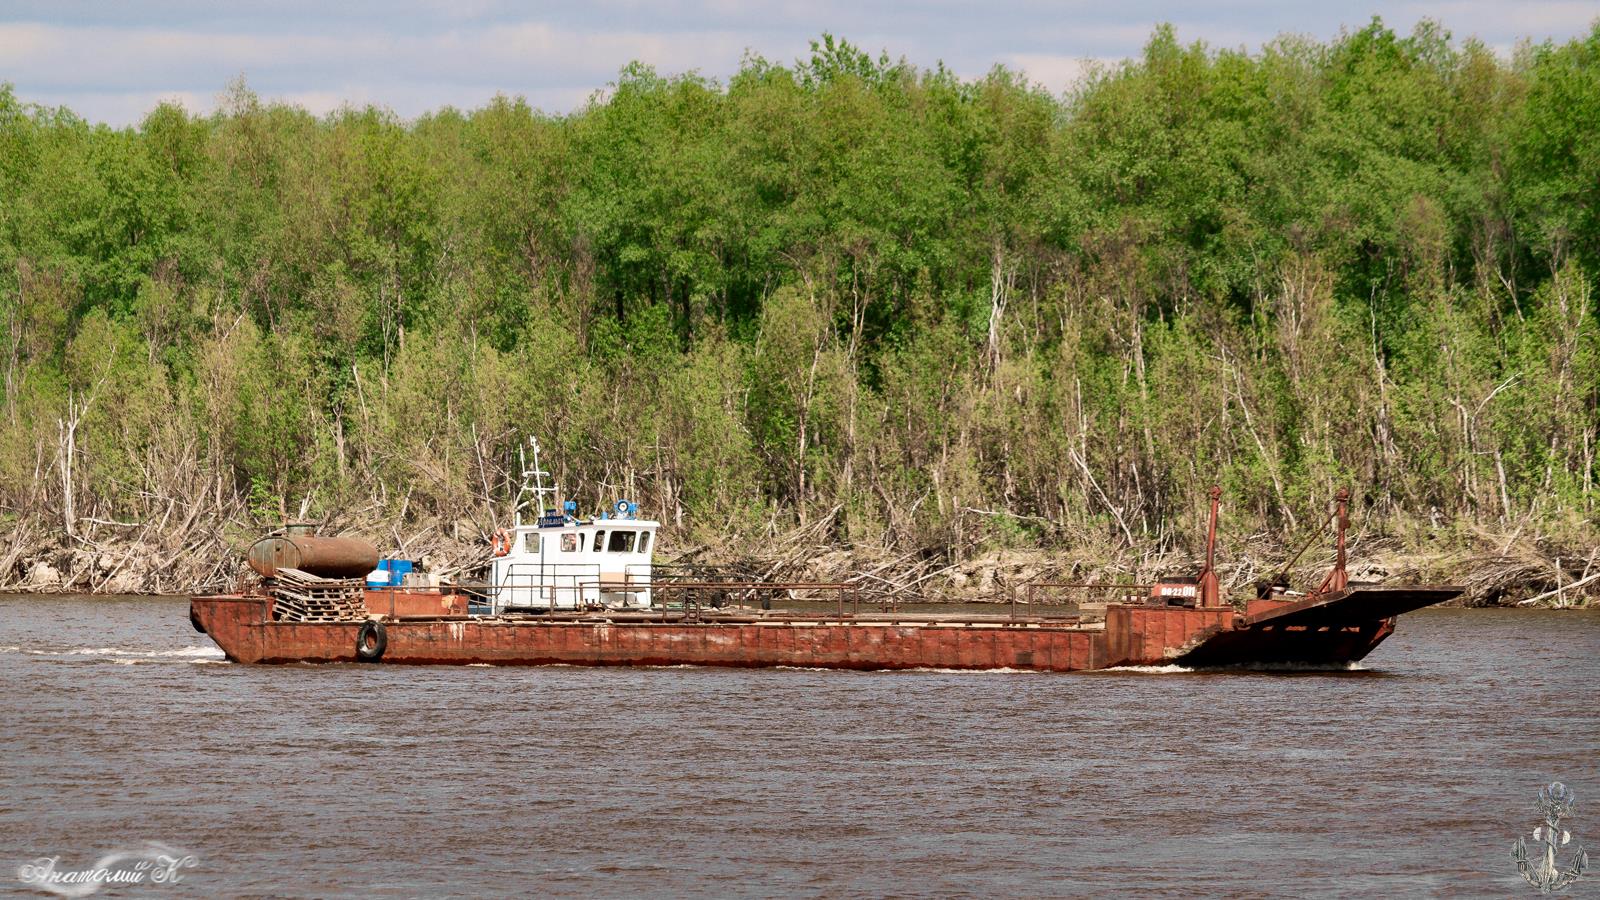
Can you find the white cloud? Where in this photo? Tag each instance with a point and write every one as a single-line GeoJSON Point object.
{"type": "Point", "coordinates": [1057, 73]}
{"type": "Point", "coordinates": [118, 107]}
{"type": "Point", "coordinates": [113, 62]}
{"type": "Point", "coordinates": [92, 56]}
{"type": "Point", "coordinates": [1487, 18]}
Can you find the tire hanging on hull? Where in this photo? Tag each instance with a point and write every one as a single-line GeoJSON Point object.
{"type": "Point", "coordinates": [371, 641]}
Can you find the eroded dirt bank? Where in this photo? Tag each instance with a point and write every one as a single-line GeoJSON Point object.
{"type": "Point", "coordinates": [130, 558]}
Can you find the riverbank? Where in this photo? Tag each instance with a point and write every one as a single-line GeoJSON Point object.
{"type": "Point", "coordinates": [133, 558]}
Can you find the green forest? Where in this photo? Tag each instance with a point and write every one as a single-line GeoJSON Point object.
{"type": "Point", "coordinates": [846, 301]}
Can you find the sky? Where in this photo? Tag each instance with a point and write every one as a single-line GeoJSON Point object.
{"type": "Point", "coordinates": [114, 61]}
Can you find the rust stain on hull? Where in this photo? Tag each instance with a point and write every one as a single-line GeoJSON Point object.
{"type": "Point", "coordinates": [1340, 627]}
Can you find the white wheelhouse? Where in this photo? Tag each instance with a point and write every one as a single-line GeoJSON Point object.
{"type": "Point", "coordinates": [575, 565]}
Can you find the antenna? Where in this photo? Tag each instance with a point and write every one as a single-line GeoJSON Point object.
{"type": "Point", "coordinates": [532, 483]}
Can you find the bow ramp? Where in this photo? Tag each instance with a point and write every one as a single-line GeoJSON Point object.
{"type": "Point", "coordinates": [1356, 604]}
{"type": "Point", "coordinates": [1333, 629]}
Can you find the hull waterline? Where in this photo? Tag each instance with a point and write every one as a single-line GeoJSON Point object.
{"type": "Point", "coordinates": [1328, 630]}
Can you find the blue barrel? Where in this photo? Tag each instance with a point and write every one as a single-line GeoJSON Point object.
{"type": "Point", "coordinates": [390, 573]}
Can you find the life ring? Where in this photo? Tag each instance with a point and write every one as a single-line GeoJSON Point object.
{"type": "Point", "coordinates": [371, 641]}
{"type": "Point", "coordinates": [501, 542]}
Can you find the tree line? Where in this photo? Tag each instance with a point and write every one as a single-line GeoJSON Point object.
{"type": "Point", "coordinates": [896, 307]}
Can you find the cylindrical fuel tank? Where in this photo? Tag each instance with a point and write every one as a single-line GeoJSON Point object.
{"type": "Point", "coordinates": [327, 557]}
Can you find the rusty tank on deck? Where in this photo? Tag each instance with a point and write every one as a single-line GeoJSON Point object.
{"type": "Point", "coordinates": [327, 557]}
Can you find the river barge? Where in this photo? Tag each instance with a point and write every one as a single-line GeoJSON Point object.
{"type": "Point", "coordinates": [1323, 631]}
{"type": "Point", "coordinates": [564, 591]}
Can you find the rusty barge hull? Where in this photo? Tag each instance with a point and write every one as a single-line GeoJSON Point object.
{"type": "Point", "coordinates": [1333, 629]}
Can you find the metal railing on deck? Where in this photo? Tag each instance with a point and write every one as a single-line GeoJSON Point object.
{"type": "Point", "coordinates": [1075, 594]}
{"type": "Point", "coordinates": [703, 572]}
{"type": "Point", "coordinates": [693, 596]}
{"type": "Point", "coordinates": [1030, 600]}
{"type": "Point", "coordinates": [550, 581]}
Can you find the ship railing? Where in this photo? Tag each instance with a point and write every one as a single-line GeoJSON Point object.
{"type": "Point", "coordinates": [636, 579]}
{"type": "Point", "coordinates": [638, 576]}
{"type": "Point", "coordinates": [1035, 596]}
{"type": "Point", "coordinates": [703, 572]}
{"type": "Point", "coordinates": [393, 592]}
{"type": "Point", "coordinates": [551, 582]}
{"type": "Point", "coordinates": [583, 583]}
{"type": "Point", "coordinates": [692, 597]}
{"type": "Point", "coordinates": [1032, 600]}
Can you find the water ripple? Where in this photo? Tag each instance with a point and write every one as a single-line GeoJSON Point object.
{"type": "Point", "coordinates": [122, 726]}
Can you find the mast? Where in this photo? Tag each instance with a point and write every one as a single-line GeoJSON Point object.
{"type": "Point", "coordinates": [1337, 579]}
{"type": "Point", "coordinates": [536, 476]}
{"type": "Point", "coordinates": [1210, 590]}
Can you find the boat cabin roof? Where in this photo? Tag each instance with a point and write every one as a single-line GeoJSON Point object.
{"type": "Point", "coordinates": [589, 525]}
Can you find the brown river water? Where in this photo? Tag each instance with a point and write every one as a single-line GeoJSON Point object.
{"type": "Point", "coordinates": [1410, 776]}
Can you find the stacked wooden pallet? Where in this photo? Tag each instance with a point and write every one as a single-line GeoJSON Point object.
{"type": "Point", "coordinates": [302, 597]}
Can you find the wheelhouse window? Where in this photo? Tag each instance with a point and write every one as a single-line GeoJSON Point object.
{"type": "Point", "coordinates": [599, 541]}
{"type": "Point", "coordinates": [530, 543]}
{"type": "Point", "coordinates": [644, 541]}
{"type": "Point", "coordinates": [569, 542]}
{"type": "Point", "coordinates": [621, 542]}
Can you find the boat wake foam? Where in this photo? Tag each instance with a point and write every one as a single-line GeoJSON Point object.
{"type": "Point", "coordinates": [1297, 667]}
{"type": "Point", "coordinates": [1173, 669]}
{"type": "Point", "coordinates": [125, 655]}
{"type": "Point", "coordinates": [919, 670]}
{"type": "Point", "coordinates": [935, 671]}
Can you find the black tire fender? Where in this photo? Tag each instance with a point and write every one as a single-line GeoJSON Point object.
{"type": "Point", "coordinates": [194, 621]}
{"type": "Point", "coordinates": [371, 641]}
